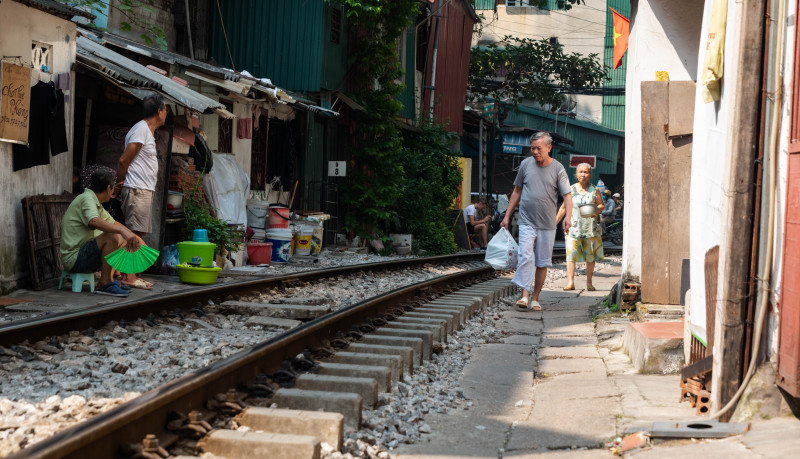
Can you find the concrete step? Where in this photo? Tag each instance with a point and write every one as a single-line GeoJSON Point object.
{"type": "Point", "coordinates": [655, 347]}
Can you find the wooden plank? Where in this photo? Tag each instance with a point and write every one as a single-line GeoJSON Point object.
{"type": "Point", "coordinates": [681, 108]}
{"type": "Point", "coordinates": [680, 167]}
{"type": "Point", "coordinates": [43, 215]}
{"type": "Point", "coordinates": [698, 368]}
{"type": "Point", "coordinates": [655, 201]}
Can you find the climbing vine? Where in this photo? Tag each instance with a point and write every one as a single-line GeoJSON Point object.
{"type": "Point", "coordinates": [375, 75]}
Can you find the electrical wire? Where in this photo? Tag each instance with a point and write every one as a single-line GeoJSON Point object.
{"type": "Point", "coordinates": [227, 43]}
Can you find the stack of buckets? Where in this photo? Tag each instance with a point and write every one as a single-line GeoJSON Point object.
{"type": "Point", "coordinates": [279, 234]}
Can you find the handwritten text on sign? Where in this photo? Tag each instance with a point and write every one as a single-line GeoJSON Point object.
{"type": "Point", "coordinates": [15, 102]}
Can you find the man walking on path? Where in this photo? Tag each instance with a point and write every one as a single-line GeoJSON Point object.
{"type": "Point", "coordinates": [137, 174]}
{"type": "Point", "coordinates": [540, 180]}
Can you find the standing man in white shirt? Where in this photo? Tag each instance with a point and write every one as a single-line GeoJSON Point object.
{"type": "Point", "coordinates": [137, 174]}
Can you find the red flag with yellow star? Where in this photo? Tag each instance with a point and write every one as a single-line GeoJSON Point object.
{"type": "Point", "coordinates": [621, 27]}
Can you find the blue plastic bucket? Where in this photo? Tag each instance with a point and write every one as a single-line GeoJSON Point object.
{"type": "Point", "coordinates": [281, 240]}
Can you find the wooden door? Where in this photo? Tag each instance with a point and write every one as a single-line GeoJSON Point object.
{"type": "Point", "coordinates": [667, 109]}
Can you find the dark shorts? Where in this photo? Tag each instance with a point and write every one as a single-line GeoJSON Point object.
{"type": "Point", "coordinates": [89, 258]}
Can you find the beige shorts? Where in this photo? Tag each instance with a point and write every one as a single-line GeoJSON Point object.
{"type": "Point", "coordinates": [137, 206]}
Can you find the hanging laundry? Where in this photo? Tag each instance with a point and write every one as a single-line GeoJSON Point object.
{"type": "Point", "coordinates": [47, 129]}
{"type": "Point", "coordinates": [244, 128]}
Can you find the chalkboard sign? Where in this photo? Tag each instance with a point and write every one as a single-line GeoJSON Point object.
{"type": "Point", "coordinates": [15, 102]}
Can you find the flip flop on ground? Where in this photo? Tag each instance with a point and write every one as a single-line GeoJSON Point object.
{"type": "Point", "coordinates": [522, 303]}
{"type": "Point", "coordinates": [590, 288]}
{"type": "Point", "coordinates": [535, 306]}
{"type": "Point", "coordinates": [112, 289]}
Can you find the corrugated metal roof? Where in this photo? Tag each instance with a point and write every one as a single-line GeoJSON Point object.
{"type": "Point", "coordinates": [279, 38]}
{"type": "Point", "coordinates": [126, 72]}
{"type": "Point", "coordinates": [163, 56]}
{"type": "Point", "coordinates": [57, 9]}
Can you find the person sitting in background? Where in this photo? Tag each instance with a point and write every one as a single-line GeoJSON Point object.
{"type": "Point", "coordinates": [89, 233]}
{"type": "Point", "coordinates": [607, 216]}
{"type": "Point", "coordinates": [618, 202]}
{"type": "Point", "coordinates": [475, 225]}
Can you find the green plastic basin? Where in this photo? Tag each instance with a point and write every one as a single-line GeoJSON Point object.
{"type": "Point", "coordinates": [198, 275]}
{"type": "Point", "coordinates": [205, 250]}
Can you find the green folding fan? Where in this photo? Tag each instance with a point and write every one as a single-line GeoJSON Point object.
{"type": "Point", "coordinates": [132, 262]}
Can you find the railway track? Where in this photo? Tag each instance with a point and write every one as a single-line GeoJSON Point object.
{"type": "Point", "coordinates": [264, 358]}
{"type": "Point", "coordinates": [398, 337]}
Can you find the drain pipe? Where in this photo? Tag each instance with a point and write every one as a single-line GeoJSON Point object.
{"type": "Point", "coordinates": [773, 147]}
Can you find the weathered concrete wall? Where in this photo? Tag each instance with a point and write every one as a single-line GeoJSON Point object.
{"type": "Point", "coordinates": [581, 30]}
{"type": "Point", "coordinates": [157, 14]}
{"type": "Point", "coordinates": [20, 26]}
{"type": "Point", "coordinates": [664, 35]}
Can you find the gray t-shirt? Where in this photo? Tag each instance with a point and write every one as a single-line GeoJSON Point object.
{"type": "Point", "coordinates": [541, 187]}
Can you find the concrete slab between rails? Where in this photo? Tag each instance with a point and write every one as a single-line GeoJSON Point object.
{"type": "Point", "coordinates": [272, 322]}
{"type": "Point", "coordinates": [313, 300]}
{"type": "Point", "coordinates": [233, 444]}
{"type": "Point", "coordinates": [413, 343]}
{"type": "Point", "coordinates": [348, 404]}
{"type": "Point", "coordinates": [405, 353]}
{"type": "Point", "coordinates": [393, 362]}
{"type": "Point", "coordinates": [473, 306]}
{"type": "Point", "coordinates": [328, 427]}
{"type": "Point", "coordinates": [457, 316]}
{"type": "Point", "coordinates": [435, 326]}
{"type": "Point", "coordinates": [424, 335]}
{"type": "Point", "coordinates": [464, 310]}
{"type": "Point", "coordinates": [381, 375]}
{"type": "Point", "coordinates": [655, 347]}
{"type": "Point", "coordinates": [452, 326]}
{"type": "Point", "coordinates": [367, 388]}
{"type": "Point", "coordinates": [282, 311]}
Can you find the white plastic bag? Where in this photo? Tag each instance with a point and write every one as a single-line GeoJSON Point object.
{"type": "Point", "coordinates": [501, 253]}
{"type": "Point", "coordinates": [227, 187]}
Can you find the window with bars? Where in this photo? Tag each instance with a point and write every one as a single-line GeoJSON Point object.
{"type": "Point", "coordinates": [41, 55]}
{"type": "Point", "coordinates": [336, 26]}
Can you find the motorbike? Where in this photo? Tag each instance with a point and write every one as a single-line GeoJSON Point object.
{"type": "Point", "coordinates": [613, 232]}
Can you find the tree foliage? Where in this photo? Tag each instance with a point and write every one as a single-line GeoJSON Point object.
{"type": "Point", "coordinates": [131, 10]}
{"type": "Point", "coordinates": [432, 179]}
{"type": "Point", "coordinates": [375, 145]}
{"type": "Point", "coordinates": [515, 69]}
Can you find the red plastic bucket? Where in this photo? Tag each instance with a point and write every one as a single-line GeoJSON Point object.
{"type": "Point", "coordinates": [278, 217]}
{"type": "Point", "coordinates": [259, 253]}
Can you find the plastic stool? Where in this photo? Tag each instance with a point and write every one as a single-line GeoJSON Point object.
{"type": "Point", "coordinates": [77, 280]}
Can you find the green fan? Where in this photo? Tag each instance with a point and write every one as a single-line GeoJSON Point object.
{"type": "Point", "coordinates": [132, 262]}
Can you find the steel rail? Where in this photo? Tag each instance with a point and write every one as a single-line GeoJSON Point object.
{"type": "Point", "coordinates": [39, 328]}
{"type": "Point", "coordinates": [110, 434]}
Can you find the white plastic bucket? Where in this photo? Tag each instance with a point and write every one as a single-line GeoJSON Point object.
{"type": "Point", "coordinates": [257, 212]}
{"type": "Point", "coordinates": [281, 239]}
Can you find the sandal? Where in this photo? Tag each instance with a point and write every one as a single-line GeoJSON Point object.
{"type": "Point", "coordinates": [569, 287]}
{"type": "Point", "coordinates": [142, 284]}
{"type": "Point", "coordinates": [535, 306]}
{"type": "Point", "coordinates": [112, 289]}
{"type": "Point", "coordinates": [522, 303]}
{"type": "Point", "coordinates": [590, 288]}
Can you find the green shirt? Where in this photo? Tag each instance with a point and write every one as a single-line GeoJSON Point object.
{"type": "Point", "coordinates": [75, 231]}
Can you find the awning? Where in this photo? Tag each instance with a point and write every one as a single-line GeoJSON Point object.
{"type": "Point", "coordinates": [139, 80]}
{"type": "Point", "coordinates": [58, 9]}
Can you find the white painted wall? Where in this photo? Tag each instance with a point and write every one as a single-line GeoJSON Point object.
{"type": "Point", "coordinates": [664, 35]}
{"type": "Point", "coordinates": [713, 129]}
{"type": "Point", "coordinates": [20, 26]}
{"type": "Point", "coordinates": [581, 30]}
